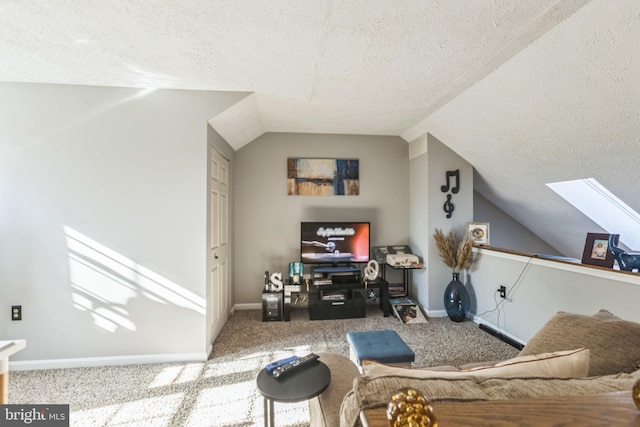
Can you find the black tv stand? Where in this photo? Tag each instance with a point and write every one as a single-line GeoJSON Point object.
{"type": "Point", "coordinates": [336, 293]}
{"type": "Point", "coordinates": [337, 269]}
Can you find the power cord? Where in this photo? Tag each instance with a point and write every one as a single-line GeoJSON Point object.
{"type": "Point", "coordinates": [507, 298]}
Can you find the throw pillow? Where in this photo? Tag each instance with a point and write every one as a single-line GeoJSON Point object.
{"type": "Point", "coordinates": [613, 342]}
{"type": "Point", "coordinates": [562, 364]}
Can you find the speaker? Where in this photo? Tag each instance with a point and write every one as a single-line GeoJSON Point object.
{"type": "Point", "coordinates": [272, 306]}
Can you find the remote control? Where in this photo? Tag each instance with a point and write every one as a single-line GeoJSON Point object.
{"type": "Point", "coordinates": [274, 365]}
{"type": "Point", "coordinates": [301, 361]}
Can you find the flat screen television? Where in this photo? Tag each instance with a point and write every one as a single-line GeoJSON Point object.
{"type": "Point", "coordinates": [334, 242]}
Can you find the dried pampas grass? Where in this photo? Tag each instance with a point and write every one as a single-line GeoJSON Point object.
{"type": "Point", "coordinates": [456, 255]}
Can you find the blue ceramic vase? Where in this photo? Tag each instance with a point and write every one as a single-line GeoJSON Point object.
{"type": "Point", "coordinates": [456, 299]}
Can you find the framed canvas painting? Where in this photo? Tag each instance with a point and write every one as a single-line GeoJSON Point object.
{"type": "Point", "coordinates": [323, 177]}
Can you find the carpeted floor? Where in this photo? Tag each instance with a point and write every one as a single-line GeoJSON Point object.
{"type": "Point", "coordinates": [222, 391]}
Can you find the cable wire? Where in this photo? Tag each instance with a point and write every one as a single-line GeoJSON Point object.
{"type": "Point", "coordinates": [507, 298]}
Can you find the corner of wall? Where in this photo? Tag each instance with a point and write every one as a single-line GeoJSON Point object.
{"type": "Point", "coordinates": [418, 147]}
{"type": "Point", "coordinates": [440, 160]}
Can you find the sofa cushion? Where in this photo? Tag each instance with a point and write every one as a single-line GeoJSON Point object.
{"type": "Point", "coordinates": [324, 410]}
{"type": "Point", "coordinates": [562, 364]}
{"type": "Point", "coordinates": [613, 342]}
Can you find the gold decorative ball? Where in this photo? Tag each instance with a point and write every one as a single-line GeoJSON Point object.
{"type": "Point", "coordinates": [636, 393]}
{"type": "Point", "coordinates": [410, 408]}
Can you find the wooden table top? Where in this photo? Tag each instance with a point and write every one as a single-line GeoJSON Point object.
{"type": "Point", "coordinates": [610, 409]}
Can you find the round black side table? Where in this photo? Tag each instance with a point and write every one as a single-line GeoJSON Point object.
{"type": "Point", "coordinates": [300, 384]}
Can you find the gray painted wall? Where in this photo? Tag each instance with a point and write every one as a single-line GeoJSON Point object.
{"type": "Point", "coordinates": [442, 159]}
{"type": "Point", "coordinates": [430, 161]}
{"type": "Point", "coordinates": [506, 232]}
{"type": "Point", "coordinates": [267, 221]}
{"type": "Point", "coordinates": [103, 219]}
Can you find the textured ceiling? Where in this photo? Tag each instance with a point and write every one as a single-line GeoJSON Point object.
{"type": "Point", "coordinates": [324, 66]}
{"type": "Point", "coordinates": [527, 91]}
{"type": "Point", "coordinates": [565, 108]}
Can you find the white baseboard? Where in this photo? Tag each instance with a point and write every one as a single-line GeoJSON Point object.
{"type": "Point", "coordinates": [87, 362]}
{"type": "Point", "coordinates": [250, 306]}
{"type": "Point", "coordinates": [437, 313]}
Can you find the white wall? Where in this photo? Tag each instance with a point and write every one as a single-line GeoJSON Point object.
{"type": "Point", "coordinates": [103, 220]}
{"type": "Point", "coordinates": [267, 221]}
{"type": "Point", "coordinates": [538, 288]}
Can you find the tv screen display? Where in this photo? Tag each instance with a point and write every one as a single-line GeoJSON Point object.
{"type": "Point", "coordinates": [334, 242]}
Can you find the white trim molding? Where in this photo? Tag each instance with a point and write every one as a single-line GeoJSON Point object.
{"type": "Point", "coordinates": [88, 362]}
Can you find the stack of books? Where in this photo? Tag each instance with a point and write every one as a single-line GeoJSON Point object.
{"type": "Point", "coordinates": [396, 290]}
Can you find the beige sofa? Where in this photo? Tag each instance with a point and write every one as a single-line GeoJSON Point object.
{"type": "Point", "coordinates": [571, 355]}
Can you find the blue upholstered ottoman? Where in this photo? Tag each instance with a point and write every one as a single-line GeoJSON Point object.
{"type": "Point", "coordinates": [383, 346]}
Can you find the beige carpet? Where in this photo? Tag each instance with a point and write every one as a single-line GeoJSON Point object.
{"type": "Point", "coordinates": [222, 391]}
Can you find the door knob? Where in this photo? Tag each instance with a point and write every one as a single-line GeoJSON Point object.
{"type": "Point", "coordinates": [216, 256]}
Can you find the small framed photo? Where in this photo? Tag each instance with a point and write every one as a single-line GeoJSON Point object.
{"type": "Point", "coordinates": [596, 249]}
{"type": "Point", "coordinates": [480, 232]}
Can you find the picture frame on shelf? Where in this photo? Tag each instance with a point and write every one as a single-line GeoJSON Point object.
{"type": "Point", "coordinates": [480, 233]}
{"type": "Point", "coordinates": [596, 249]}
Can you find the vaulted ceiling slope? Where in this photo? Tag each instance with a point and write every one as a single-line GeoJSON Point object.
{"type": "Point", "coordinates": [528, 91]}
{"type": "Point", "coordinates": [327, 66]}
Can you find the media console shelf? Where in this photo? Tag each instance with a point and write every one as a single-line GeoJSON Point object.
{"type": "Point", "coordinates": [336, 293]}
{"type": "Point", "coordinates": [403, 290]}
{"type": "Point", "coordinates": [402, 259]}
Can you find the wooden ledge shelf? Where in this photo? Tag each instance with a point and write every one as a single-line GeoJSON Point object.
{"type": "Point", "coordinates": [559, 262]}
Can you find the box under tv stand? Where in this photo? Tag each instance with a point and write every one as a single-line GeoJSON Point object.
{"type": "Point", "coordinates": [344, 300]}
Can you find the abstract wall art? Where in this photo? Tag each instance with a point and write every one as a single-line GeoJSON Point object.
{"type": "Point", "coordinates": [323, 177]}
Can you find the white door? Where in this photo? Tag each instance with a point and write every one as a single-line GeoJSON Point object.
{"type": "Point", "coordinates": [218, 304]}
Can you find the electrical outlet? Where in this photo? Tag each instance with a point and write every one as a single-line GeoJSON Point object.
{"type": "Point", "coordinates": [16, 312]}
{"type": "Point", "coordinates": [503, 291]}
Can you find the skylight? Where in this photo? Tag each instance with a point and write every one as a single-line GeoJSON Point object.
{"type": "Point", "coordinates": [602, 207]}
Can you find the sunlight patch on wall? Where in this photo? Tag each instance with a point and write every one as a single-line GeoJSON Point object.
{"type": "Point", "coordinates": [104, 282]}
{"type": "Point", "coordinates": [602, 207]}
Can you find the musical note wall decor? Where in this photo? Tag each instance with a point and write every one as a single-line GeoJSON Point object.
{"type": "Point", "coordinates": [456, 188]}
{"type": "Point", "coordinates": [448, 206]}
